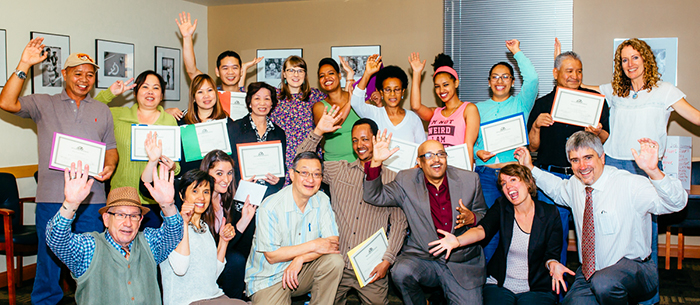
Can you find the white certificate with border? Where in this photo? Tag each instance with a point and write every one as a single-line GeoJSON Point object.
{"type": "Point", "coordinates": [368, 255]}
{"type": "Point", "coordinates": [504, 134]}
{"type": "Point", "coordinates": [213, 135]}
{"type": "Point", "coordinates": [238, 108]}
{"type": "Point", "coordinates": [68, 149]}
{"type": "Point", "coordinates": [458, 156]}
{"type": "Point", "coordinates": [404, 158]}
{"type": "Point", "coordinates": [168, 135]}
{"type": "Point", "coordinates": [576, 107]}
{"type": "Point", "coordinates": [259, 158]}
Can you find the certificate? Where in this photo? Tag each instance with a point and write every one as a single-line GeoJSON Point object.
{"type": "Point", "coordinates": [576, 107]}
{"type": "Point", "coordinates": [260, 158]}
{"type": "Point", "coordinates": [68, 149]}
{"type": "Point", "coordinates": [168, 135]}
{"type": "Point", "coordinates": [368, 255]}
{"type": "Point", "coordinates": [404, 158]}
{"type": "Point", "coordinates": [238, 108]}
{"type": "Point", "coordinates": [252, 189]}
{"type": "Point", "coordinates": [458, 156]}
{"type": "Point", "coordinates": [201, 138]}
{"type": "Point", "coordinates": [504, 134]}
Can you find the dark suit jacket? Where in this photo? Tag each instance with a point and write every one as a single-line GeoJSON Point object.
{"type": "Point", "coordinates": [545, 241]}
{"type": "Point", "coordinates": [409, 192]}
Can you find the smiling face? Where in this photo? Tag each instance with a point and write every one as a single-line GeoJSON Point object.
{"type": "Point", "coordinates": [445, 87]}
{"type": "Point", "coordinates": [362, 142]}
{"type": "Point", "coordinates": [294, 75]}
{"type": "Point", "coordinates": [223, 175]}
{"type": "Point", "coordinates": [392, 91]}
{"type": "Point", "coordinates": [122, 231]}
{"type": "Point", "coordinates": [200, 196]}
{"type": "Point", "coordinates": [149, 94]}
{"type": "Point", "coordinates": [328, 78]}
{"type": "Point", "coordinates": [205, 97]}
{"type": "Point", "coordinates": [632, 63]}
{"type": "Point", "coordinates": [514, 189]}
{"type": "Point", "coordinates": [261, 102]}
{"type": "Point", "coordinates": [435, 167]}
{"type": "Point", "coordinates": [79, 80]}
{"type": "Point", "coordinates": [500, 81]}
{"type": "Point", "coordinates": [586, 164]}
{"type": "Point", "coordinates": [569, 74]}
{"type": "Point", "coordinates": [305, 187]}
{"type": "Point", "coordinates": [229, 71]}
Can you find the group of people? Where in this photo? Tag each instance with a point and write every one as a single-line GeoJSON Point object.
{"type": "Point", "coordinates": [492, 235]}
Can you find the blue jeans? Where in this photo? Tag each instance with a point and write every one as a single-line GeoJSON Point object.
{"type": "Point", "coordinates": [232, 277]}
{"type": "Point", "coordinates": [489, 186]}
{"type": "Point", "coordinates": [564, 213]}
{"type": "Point", "coordinates": [48, 267]}
{"type": "Point", "coordinates": [631, 166]}
{"type": "Point", "coordinates": [494, 295]}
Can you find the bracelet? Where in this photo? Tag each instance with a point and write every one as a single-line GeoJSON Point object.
{"type": "Point", "coordinates": [67, 209]}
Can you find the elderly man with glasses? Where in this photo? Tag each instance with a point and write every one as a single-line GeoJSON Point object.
{"type": "Point", "coordinates": [430, 197]}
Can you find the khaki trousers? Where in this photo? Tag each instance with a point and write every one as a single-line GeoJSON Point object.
{"type": "Point", "coordinates": [375, 293]}
{"type": "Point", "coordinates": [320, 277]}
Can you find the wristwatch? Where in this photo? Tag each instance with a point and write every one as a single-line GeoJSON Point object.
{"type": "Point", "coordinates": [21, 74]}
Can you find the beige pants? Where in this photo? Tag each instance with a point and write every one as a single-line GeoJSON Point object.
{"type": "Point", "coordinates": [222, 300]}
{"type": "Point", "coordinates": [375, 293]}
{"type": "Point", "coordinates": [320, 277]}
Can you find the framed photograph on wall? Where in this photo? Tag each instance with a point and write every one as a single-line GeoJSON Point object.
{"type": "Point", "coordinates": [3, 58]}
{"type": "Point", "coordinates": [46, 76]}
{"type": "Point", "coordinates": [666, 55]}
{"type": "Point", "coordinates": [168, 66]}
{"type": "Point", "coordinates": [356, 56]}
{"type": "Point", "coordinates": [270, 68]}
{"type": "Point", "coordinates": [116, 61]}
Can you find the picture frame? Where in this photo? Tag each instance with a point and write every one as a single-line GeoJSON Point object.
{"type": "Point", "coordinates": [167, 64]}
{"type": "Point", "coordinates": [356, 57]}
{"type": "Point", "coordinates": [666, 54]}
{"type": "Point", "coordinates": [47, 76]}
{"type": "Point", "coordinates": [3, 58]}
{"type": "Point", "coordinates": [270, 68]}
{"type": "Point", "coordinates": [116, 61]}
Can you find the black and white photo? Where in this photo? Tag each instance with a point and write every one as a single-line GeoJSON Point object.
{"type": "Point", "coordinates": [356, 56]}
{"type": "Point", "coordinates": [116, 61]}
{"type": "Point", "coordinates": [47, 77]}
{"type": "Point", "coordinates": [168, 66]}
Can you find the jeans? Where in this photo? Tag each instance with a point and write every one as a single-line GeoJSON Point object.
{"type": "Point", "coordinates": [231, 279]}
{"type": "Point", "coordinates": [489, 186]}
{"type": "Point", "coordinates": [564, 213]}
{"type": "Point", "coordinates": [48, 267]}
{"type": "Point", "coordinates": [631, 166]}
{"type": "Point", "coordinates": [494, 295]}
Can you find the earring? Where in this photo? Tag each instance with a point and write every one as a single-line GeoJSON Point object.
{"type": "Point", "coordinates": [402, 97]}
{"type": "Point", "coordinates": [285, 81]}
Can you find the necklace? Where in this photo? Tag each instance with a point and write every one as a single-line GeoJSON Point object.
{"type": "Point", "coordinates": [202, 227]}
{"type": "Point", "coordinates": [634, 96]}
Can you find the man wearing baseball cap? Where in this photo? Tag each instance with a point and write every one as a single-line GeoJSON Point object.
{"type": "Point", "coordinates": [72, 112]}
{"type": "Point", "coordinates": [116, 266]}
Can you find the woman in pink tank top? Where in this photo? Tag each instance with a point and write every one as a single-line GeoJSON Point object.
{"type": "Point", "coordinates": [455, 123]}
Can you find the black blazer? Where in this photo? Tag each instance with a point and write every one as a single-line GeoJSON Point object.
{"type": "Point", "coordinates": [545, 241]}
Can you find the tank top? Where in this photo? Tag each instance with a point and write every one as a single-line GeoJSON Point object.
{"type": "Point", "coordinates": [450, 130]}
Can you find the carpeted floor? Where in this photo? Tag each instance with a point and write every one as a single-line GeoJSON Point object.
{"type": "Point", "coordinates": [677, 286]}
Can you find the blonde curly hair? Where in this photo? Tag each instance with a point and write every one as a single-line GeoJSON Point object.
{"type": "Point", "coordinates": [621, 83]}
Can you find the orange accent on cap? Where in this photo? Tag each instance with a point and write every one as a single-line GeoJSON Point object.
{"type": "Point", "coordinates": [84, 56]}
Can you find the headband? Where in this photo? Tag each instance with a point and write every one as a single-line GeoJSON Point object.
{"type": "Point", "coordinates": [447, 69]}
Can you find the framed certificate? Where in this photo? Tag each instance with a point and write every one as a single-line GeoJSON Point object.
{"type": "Point", "coordinates": [368, 255]}
{"type": "Point", "coordinates": [68, 149]}
{"type": "Point", "coordinates": [260, 158]}
{"type": "Point", "coordinates": [458, 156]}
{"type": "Point", "coordinates": [201, 138]}
{"type": "Point", "coordinates": [576, 107]}
{"type": "Point", "coordinates": [404, 158]}
{"type": "Point", "coordinates": [168, 135]}
{"type": "Point", "coordinates": [238, 108]}
{"type": "Point", "coordinates": [505, 133]}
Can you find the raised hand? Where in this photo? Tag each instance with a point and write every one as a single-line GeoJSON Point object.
{"type": "Point", "coordinates": [76, 185]}
{"type": "Point", "coordinates": [248, 210]}
{"type": "Point", "coordinates": [381, 148]}
{"type": "Point", "coordinates": [349, 72]}
{"type": "Point", "coordinates": [513, 46]}
{"type": "Point", "coordinates": [416, 64]}
{"type": "Point", "coordinates": [120, 87]}
{"type": "Point", "coordinates": [557, 47]}
{"type": "Point", "coordinates": [166, 162]}
{"type": "Point", "coordinates": [522, 154]}
{"type": "Point", "coordinates": [247, 65]}
{"type": "Point", "coordinates": [185, 24]}
{"type": "Point", "coordinates": [33, 53]}
{"type": "Point", "coordinates": [376, 98]}
{"type": "Point", "coordinates": [465, 217]}
{"type": "Point", "coordinates": [329, 122]}
{"type": "Point", "coordinates": [557, 270]}
{"type": "Point", "coordinates": [374, 64]}
{"type": "Point", "coordinates": [447, 243]}
{"type": "Point", "coordinates": [648, 157]}
{"type": "Point", "coordinates": [162, 190]}
{"type": "Point", "coordinates": [154, 147]}
{"type": "Point", "coordinates": [186, 211]}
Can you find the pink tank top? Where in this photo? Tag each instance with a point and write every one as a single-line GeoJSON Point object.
{"type": "Point", "coordinates": [448, 130]}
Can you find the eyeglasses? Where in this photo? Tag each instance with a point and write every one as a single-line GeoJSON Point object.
{"type": "Point", "coordinates": [396, 91]}
{"type": "Point", "coordinates": [122, 216]}
{"type": "Point", "coordinates": [505, 77]}
{"type": "Point", "coordinates": [430, 155]}
{"type": "Point", "coordinates": [296, 71]}
{"type": "Point", "coordinates": [305, 174]}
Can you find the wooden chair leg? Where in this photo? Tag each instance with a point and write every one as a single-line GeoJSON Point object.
{"type": "Point", "coordinates": [681, 247]}
{"type": "Point", "coordinates": [668, 247]}
{"type": "Point", "coordinates": [20, 272]}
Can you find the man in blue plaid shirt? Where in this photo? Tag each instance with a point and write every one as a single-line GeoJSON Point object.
{"type": "Point", "coordinates": [118, 265]}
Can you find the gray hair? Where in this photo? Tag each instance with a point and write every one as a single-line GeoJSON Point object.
{"type": "Point", "coordinates": [307, 155]}
{"type": "Point", "coordinates": [566, 55]}
{"type": "Point", "coordinates": [583, 139]}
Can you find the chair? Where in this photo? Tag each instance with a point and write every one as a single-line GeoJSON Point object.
{"type": "Point", "coordinates": [689, 217]}
{"type": "Point", "coordinates": [16, 239]}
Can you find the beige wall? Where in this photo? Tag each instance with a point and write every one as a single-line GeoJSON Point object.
{"type": "Point", "coordinates": [399, 26]}
{"type": "Point", "coordinates": [597, 23]}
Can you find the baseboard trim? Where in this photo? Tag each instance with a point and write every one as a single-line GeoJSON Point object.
{"type": "Point", "coordinates": [28, 272]}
